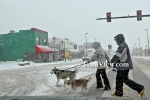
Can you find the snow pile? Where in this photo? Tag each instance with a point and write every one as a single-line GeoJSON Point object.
{"type": "Point", "coordinates": [15, 65]}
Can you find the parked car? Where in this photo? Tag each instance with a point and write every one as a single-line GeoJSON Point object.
{"type": "Point", "coordinates": [85, 58]}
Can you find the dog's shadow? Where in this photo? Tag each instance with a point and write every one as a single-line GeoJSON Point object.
{"type": "Point", "coordinates": [58, 85]}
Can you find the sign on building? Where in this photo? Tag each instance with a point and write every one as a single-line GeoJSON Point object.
{"type": "Point", "coordinates": [53, 45]}
{"type": "Point", "coordinates": [66, 54]}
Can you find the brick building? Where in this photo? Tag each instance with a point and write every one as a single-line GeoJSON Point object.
{"type": "Point", "coordinates": [29, 44]}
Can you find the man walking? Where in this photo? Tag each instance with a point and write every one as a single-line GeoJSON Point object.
{"type": "Point", "coordinates": [123, 63]}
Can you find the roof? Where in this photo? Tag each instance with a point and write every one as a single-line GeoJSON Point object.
{"type": "Point", "coordinates": [43, 49]}
{"type": "Point", "coordinates": [39, 30]}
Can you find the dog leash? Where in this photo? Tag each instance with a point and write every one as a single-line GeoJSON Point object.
{"type": "Point", "coordinates": [75, 66]}
{"type": "Point", "coordinates": [115, 70]}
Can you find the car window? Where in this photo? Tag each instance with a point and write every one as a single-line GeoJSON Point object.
{"type": "Point", "coordinates": [44, 41]}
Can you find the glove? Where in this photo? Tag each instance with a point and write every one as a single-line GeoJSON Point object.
{"type": "Point", "coordinates": [114, 65]}
{"type": "Point", "coordinates": [115, 70]}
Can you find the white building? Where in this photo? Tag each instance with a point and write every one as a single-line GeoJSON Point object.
{"type": "Point", "coordinates": [59, 44]}
{"type": "Point", "coordinates": [90, 50]}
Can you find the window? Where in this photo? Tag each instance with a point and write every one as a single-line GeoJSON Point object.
{"type": "Point", "coordinates": [37, 40]}
{"type": "Point", "coordinates": [75, 46]}
{"type": "Point", "coordinates": [45, 41]}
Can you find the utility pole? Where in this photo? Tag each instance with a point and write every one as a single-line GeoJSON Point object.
{"type": "Point", "coordinates": [145, 50]}
{"type": "Point", "coordinates": [139, 47]}
{"type": "Point", "coordinates": [135, 50]}
{"type": "Point", "coordinates": [63, 42]}
{"type": "Point", "coordinates": [64, 51]}
{"type": "Point", "coordinates": [147, 40]}
{"type": "Point", "coordinates": [86, 42]}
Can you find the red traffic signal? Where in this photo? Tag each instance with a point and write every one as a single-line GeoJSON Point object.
{"type": "Point", "coordinates": [139, 15]}
{"type": "Point", "coordinates": [108, 15]}
{"type": "Point", "coordinates": [139, 12]}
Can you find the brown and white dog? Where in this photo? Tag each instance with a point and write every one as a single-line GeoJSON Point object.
{"type": "Point", "coordinates": [78, 83]}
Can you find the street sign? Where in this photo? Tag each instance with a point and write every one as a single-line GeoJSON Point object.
{"type": "Point", "coordinates": [66, 54]}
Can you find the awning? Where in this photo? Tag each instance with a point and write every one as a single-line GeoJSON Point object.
{"type": "Point", "coordinates": [43, 49]}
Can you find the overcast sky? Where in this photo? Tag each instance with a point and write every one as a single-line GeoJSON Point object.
{"type": "Point", "coordinates": [73, 18]}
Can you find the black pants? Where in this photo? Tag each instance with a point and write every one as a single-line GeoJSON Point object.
{"type": "Point", "coordinates": [122, 76]}
{"type": "Point", "coordinates": [104, 76]}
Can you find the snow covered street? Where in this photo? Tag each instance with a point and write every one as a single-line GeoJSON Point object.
{"type": "Point", "coordinates": [36, 79]}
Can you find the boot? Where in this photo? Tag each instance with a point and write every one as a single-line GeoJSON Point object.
{"type": "Point", "coordinates": [115, 95]}
{"type": "Point", "coordinates": [107, 87]}
{"type": "Point", "coordinates": [99, 87]}
{"type": "Point", "coordinates": [142, 92]}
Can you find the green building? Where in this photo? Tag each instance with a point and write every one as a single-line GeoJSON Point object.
{"type": "Point", "coordinates": [25, 44]}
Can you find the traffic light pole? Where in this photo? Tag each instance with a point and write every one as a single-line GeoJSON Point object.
{"type": "Point", "coordinates": [64, 52]}
{"type": "Point", "coordinates": [124, 17]}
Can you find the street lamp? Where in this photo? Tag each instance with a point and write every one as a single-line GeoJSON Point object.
{"type": "Point", "coordinates": [86, 42]}
{"type": "Point", "coordinates": [147, 40]}
{"type": "Point", "coordinates": [63, 42]}
{"type": "Point", "coordinates": [145, 50]}
{"type": "Point", "coordinates": [139, 47]}
{"type": "Point", "coordinates": [135, 49]}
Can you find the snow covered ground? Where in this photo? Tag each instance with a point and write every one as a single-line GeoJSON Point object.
{"type": "Point", "coordinates": [37, 82]}
{"type": "Point", "coordinates": [146, 58]}
{"type": "Point", "coordinates": [14, 65]}
{"type": "Point", "coordinates": [143, 63]}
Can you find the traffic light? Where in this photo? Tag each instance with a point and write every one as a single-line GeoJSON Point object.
{"type": "Point", "coordinates": [109, 47]}
{"type": "Point", "coordinates": [139, 15]}
{"type": "Point", "coordinates": [108, 15]}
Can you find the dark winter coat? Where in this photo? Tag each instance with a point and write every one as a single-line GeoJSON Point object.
{"type": "Point", "coordinates": [122, 58]}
